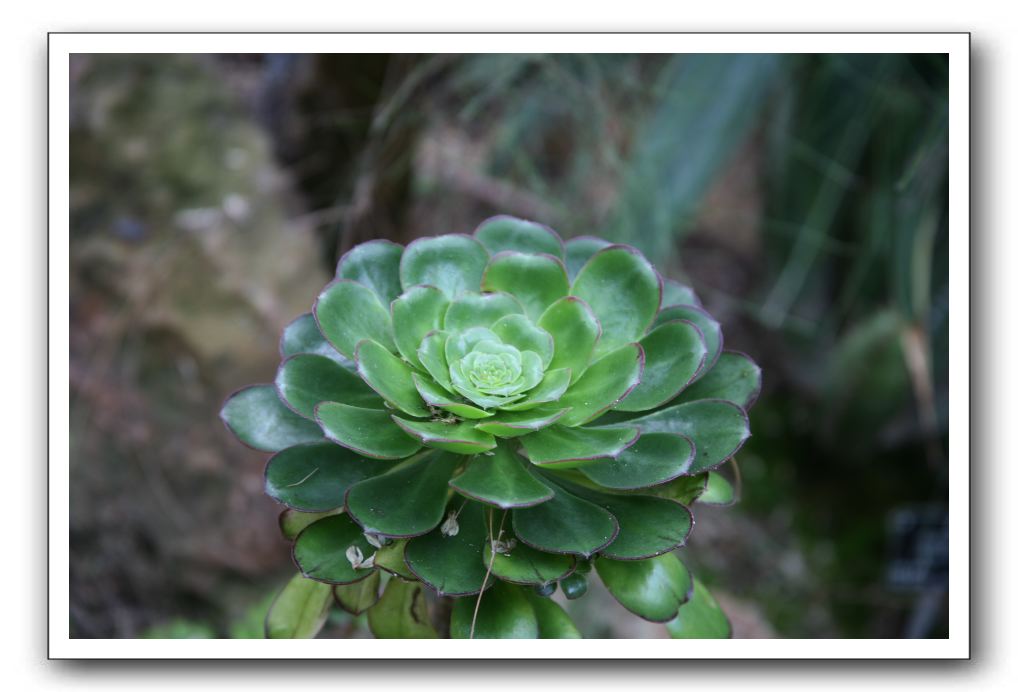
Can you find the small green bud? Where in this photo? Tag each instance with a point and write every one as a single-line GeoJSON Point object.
{"type": "Point", "coordinates": [545, 590]}
{"type": "Point", "coordinates": [574, 586]}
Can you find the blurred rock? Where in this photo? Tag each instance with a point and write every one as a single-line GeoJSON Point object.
{"type": "Point", "coordinates": [184, 269]}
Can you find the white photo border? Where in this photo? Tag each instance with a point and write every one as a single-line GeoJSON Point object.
{"type": "Point", "coordinates": [956, 45]}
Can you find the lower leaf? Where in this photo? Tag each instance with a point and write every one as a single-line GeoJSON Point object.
{"type": "Point", "coordinates": [357, 598]}
{"type": "Point", "coordinates": [401, 613]}
{"type": "Point", "coordinates": [292, 522]}
{"type": "Point", "coordinates": [502, 479]}
{"type": "Point", "coordinates": [717, 428]}
{"type": "Point", "coordinates": [300, 609]}
{"type": "Point", "coordinates": [701, 617]}
{"type": "Point", "coordinates": [315, 477]}
{"type": "Point", "coordinates": [450, 562]}
{"type": "Point", "coordinates": [654, 459]}
{"type": "Point", "coordinates": [567, 447]}
{"type": "Point", "coordinates": [735, 377]}
{"type": "Point", "coordinates": [565, 524]}
{"type": "Point", "coordinates": [719, 490]}
{"type": "Point", "coordinates": [504, 612]}
{"type": "Point", "coordinates": [552, 620]}
{"type": "Point", "coordinates": [653, 589]}
{"type": "Point", "coordinates": [257, 417]}
{"type": "Point", "coordinates": [409, 501]}
{"type": "Point", "coordinates": [648, 525]}
{"type": "Point", "coordinates": [366, 431]}
{"type": "Point", "coordinates": [391, 558]}
{"type": "Point", "coordinates": [321, 550]}
{"type": "Point", "coordinates": [521, 564]}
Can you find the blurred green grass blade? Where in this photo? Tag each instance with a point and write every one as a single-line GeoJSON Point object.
{"type": "Point", "coordinates": [900, 214]}
{"type": "Point", "coordinates": [707, 106]}
{"type": "Point", "coordinates": [855, 168]}
{"type": "Point", "coordinates": [826, 143]}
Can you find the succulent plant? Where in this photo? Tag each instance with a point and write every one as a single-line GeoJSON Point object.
{"type": "Point", "coordinates": [490, 416]}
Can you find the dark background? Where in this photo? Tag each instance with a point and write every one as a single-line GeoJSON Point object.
{"type": "Point", "coordinates": [804, 197]}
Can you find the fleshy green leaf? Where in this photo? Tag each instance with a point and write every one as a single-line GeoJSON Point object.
{"type": "Point", "coordinates": [390, 377]}
{"type": "Point", "coordinates": [568, 447]}
{"type": "Point", "coordinates": [415, 314]}
{"type": "Point", "coordinates": [674, 353]}
{"type": "Point", "coordinates": [376, 265]}
{"type": "Point", "coordinates": [575, 330]}
{"type": "Point", "coordinates": [314, 477]}
{"type": "Point", "coordinates": [504, 613]}
{"type": "Point", "coordinates": [717, 428]}
{"type": "Point", "coordinates": [480, 310]}
{"type": "Point", "coordinates": [708, 326]}
{"type": "Point", "coordinates": [603, 385]}
{"type": "Point", "coordinates": [460, 344]}
{"type": "Point", "coordinates": [502, 479]}
{"type": "Point", "coordinates": [348, 312]}
{"type": "Point", "coordinates": [518, 331]}
{"type": "Point", "coordinates": [552, 620]}
{"type": "Point", "coordinates": [510, 424]}
{"type": "Point", "coordinates": [302, 336]}
{"type": "Point", "coordinates": [719, 491]}
{"type": "Point", "coordinates": [453, 263]}
{"type": "Point", "coordinates": [654, 459]}
{"type": "Point", "coordinates": [501, 233]}
{"type": "Point", "coordinates": [565, 524]}
{"type": "Point", "coordinates": [434, 395]}
{"type": "Point", "coordinates": [306, 380]}
{"type": "Point", "coordinates": [401, 613]}
{"type": "Point", "coordinates": [579, 250]}
{"type": "Point", "coordinates": [459, 438]}
{"type": "Point", "coordinates": [676, 293]}
{"type": "Point", "coordinates": [357, 598]}
{"type": "Point", "coordinates": [701, 617]}
{"type": "Point", "coordinates": [653, 589]}
{"type": "Point", "coordinates": [550, 390]}
{"type": "Point", "coordinates": [300, 609]}
{"type": "Point", "coordinates": [486, 400]}
{"type": "Point", "coordinates": [292, 522]}
{"type": "Point", "coordinates": [524, 565]}
{"type": "Point", "coordinates": [648, 526]}
{"type": "Point", "coordinates": [685, 489]}
{"type": "Point", "coordinates": [452, 564]}
{"type": "Point", "coordinates": [408, 501]}
{"type": "Point", "coordinates": [367, 431]}
{"type": "Point", "coordinates": [431, 355]}
{"type": "Point", "coordinates": [260, 420]}
{"type": "Point", "coordinates": [536, 280]}
{"type": "Point", "coordinates": [320, 550]}
{"type": "Point", "coordinates": [390, 558]}
{"type": "Point", "coordinates": [624, 292]}
{"type": "Point", "coordinates": [735, 377]}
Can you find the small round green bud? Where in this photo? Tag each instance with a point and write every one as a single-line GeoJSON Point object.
{"type": "Point", "coordinates": [545, 590]}
{"type": "Point", "coordinates": [574, 586]}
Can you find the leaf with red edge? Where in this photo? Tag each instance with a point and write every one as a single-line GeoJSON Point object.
{"type": "Point", "coordinates": [603, 385]}
{"type": "Point", "coordinates": [502, 479]}
{"type": "Point", "coordinates": [624, 292]}
{"type": "Point", "coordinates": [367, 431]}
{"type": "Point", "coordinates": [260, 420]}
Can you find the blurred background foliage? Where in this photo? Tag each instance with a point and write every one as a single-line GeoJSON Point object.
{"type": "Point", "coordinates": [804, 197]}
